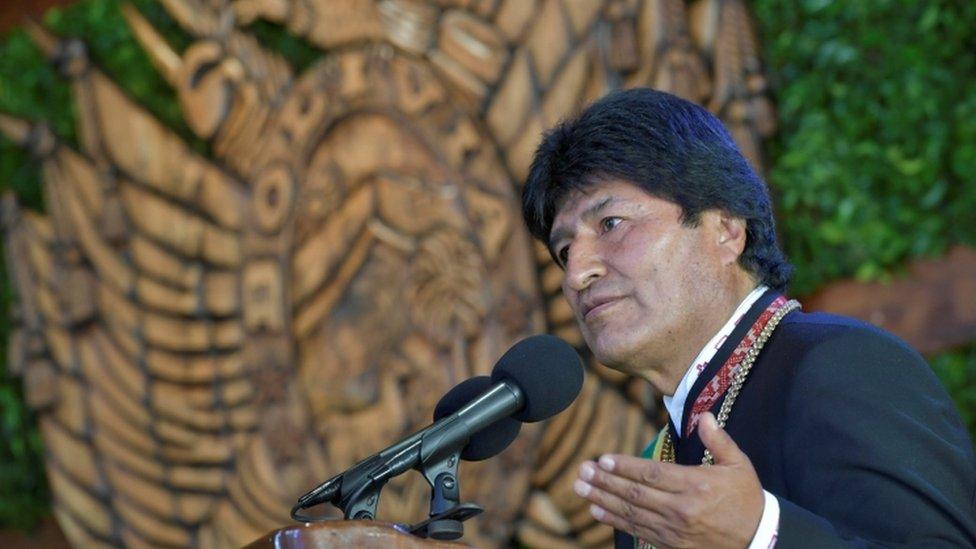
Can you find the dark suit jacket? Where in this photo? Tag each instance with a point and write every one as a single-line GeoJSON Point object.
{"type": "Point", "coordinates": [848, 427]}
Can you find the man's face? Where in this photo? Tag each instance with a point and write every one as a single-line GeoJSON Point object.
{"type": "Point", "coordinates": [643, 286]}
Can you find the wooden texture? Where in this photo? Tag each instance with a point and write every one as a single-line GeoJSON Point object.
{"type": "Point", "coordinates": [205, 338]}
{"type": "Point", "coordinates": [932, 306]}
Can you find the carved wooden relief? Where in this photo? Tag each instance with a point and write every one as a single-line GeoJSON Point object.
{"type": "Point", "coordinates": [206, 338]}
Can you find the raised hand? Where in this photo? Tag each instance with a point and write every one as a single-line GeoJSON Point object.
{"type": "Point", "coordinates": [672, 505]}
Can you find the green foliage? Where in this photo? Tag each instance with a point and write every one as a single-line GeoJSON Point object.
{"type": "Point", "coordinates": [32, 90]}
{"type": "Point", "coordinates": [958, 373]}
{"type": "Point", "coordinates": [23, 491]}
{"type": "Point", "coordinates": [875, 159]}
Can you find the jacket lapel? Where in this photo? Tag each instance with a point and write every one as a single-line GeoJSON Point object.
{"type": "Point", "coordinates": [690, 449]}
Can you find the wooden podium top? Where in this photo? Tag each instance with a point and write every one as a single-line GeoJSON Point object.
{"type": "Point", "coordinates": [361, 534]}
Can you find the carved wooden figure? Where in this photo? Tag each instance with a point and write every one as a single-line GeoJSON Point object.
{"type": "Point", "coordinates": [206, 338]}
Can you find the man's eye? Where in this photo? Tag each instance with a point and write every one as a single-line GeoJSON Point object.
{"type": "Point", "coordinates": [608, 223]}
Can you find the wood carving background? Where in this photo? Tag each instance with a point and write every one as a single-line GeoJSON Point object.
{"type": "Point", "coordinates": [206, 338]}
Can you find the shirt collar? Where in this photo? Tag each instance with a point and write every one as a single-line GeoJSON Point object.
{"type": "Point", "coordinates": [676, 402]}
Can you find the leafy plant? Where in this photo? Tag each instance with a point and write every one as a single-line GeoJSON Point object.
{"type": "Point", "coordinates": [958, 373]}
{"type": "Point", "coordinates": [875, 157]}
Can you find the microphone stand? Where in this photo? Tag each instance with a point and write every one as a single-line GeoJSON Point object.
{"type": "Point", "coordinates": [446, 510]}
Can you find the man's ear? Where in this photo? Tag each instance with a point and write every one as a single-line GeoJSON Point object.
{"type": "Point", "coordinates": [730, 234]}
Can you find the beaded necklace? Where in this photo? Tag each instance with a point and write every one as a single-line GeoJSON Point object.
{"type": "Point", "coordinates": [731, 376]}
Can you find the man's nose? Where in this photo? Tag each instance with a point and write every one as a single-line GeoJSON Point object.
{"type": "Point", "coordinates": [584, 266]}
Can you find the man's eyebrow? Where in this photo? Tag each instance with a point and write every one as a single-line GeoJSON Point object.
{"type": "Point", "coordinates": [556, 236]}
{"type": "Point", "coordinates": [592, 211]}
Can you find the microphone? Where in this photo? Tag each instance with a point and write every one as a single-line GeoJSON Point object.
{"type": "Point", "coordinates": [549, 371]}
{"type": "Point", "coordinates": [494, 438]}
{"type": "Point", "coordinates": [536, 378]}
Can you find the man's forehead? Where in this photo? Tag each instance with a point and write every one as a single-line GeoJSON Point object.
{"type": "Point", "coordinates": [572, 200]}
{"type": "Point", "coordinates": [593, 196]}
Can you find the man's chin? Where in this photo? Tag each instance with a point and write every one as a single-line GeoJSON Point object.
{"type": "Point", "coordinates": [611, 356]}
{"type": "Point", "coordinates": [615, 355]}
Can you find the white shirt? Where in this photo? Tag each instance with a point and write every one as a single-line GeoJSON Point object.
{"type": "Point", "coordinates": [766, 533]}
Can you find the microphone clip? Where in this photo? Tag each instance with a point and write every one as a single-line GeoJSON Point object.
{"type": "Point", "coordinates": [446, 511]}
{"type": "Point", "coordinates": [355, 492]}
{"type": "Point", "coordinates": [434, 526]}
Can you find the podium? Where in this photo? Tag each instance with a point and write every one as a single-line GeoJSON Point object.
{"type": "Point", "coordinates": [361, 534]}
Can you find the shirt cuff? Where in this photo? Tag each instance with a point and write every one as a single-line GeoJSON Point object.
{"type": "Point", "coordinates": [768, 529]}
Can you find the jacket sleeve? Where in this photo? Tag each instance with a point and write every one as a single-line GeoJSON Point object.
{"type": "Point", "coordinates": [874, 452]}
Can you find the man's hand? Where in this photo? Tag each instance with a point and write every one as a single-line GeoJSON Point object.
{"type": "Point", "coordinates": [677, 505]}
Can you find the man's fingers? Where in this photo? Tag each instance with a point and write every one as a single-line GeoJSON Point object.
{"type": "Point", "coordinates": [667, 477]}
{"type": "Point", "coordinates": [719, 443]}
{"type": "Point", "coordinates": [640, 495]}
{"type": "Point", "coordinates": [621, 511]}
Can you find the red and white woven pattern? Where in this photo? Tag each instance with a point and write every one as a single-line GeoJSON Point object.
{"type": "Point", "coordinates": [719, 384]}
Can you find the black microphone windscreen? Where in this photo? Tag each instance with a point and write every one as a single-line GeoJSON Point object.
{"type": "Point", "coordinates": [547, 370]}
{"type": "Point", "coordinates": [489, 441]}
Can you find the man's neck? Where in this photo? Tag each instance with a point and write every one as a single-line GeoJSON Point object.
{"type": "Point", "coordinates": [673, 372]}
{"type": "Point", "coordinates": [675, 402]}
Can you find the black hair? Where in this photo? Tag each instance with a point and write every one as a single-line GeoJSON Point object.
{"type": "Point", "coordinates": [672, 149]}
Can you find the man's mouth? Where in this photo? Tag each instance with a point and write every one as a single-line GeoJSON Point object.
{"type": "Point", "coordinates": [593, 307]}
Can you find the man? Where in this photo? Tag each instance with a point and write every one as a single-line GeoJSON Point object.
{"type": "Point", "coordinates": [829, 432]}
